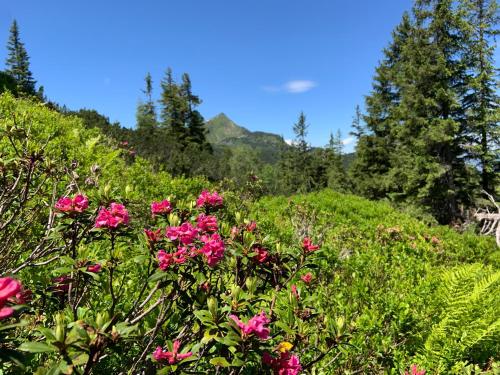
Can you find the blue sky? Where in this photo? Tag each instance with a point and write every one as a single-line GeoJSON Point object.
{"type": "Point", "coordinates": [261, 62]}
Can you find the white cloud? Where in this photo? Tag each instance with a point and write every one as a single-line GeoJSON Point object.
{"type": "Point", "coordinates": [292, 87]}
{"type": "Point", "coordinates": [289, 142]}
{"type": "Point", "coordinates": [347, 141]}
{"type": "Point", "coordinates": [299, 86]}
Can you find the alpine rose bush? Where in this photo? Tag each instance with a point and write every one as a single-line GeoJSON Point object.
{"type": "Point", "coordinates": [191, 279]}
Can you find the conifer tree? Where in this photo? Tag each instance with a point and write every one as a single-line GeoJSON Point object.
{"type": "Point", "coordinates": [369, 172]}
{"type": "Point", "coordinates": [336, 174]}
{"type": "Point", "coordinates": [358, 129]}
{"type": "Point", "coordinates": [17, 62]}
{"type": "Point", "coordinates": [481, 100]}
{"type": "Point", "coordinates": [194, 121]}
{"type": "Point", "coordinates": [173, 108]}
{"type": "Point", "coordinates": [426, 168]}
{"type": "Point", "coordinates": [146, 111]}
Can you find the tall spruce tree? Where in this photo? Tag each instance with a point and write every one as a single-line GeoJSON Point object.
{"type": "Point", "coordinates": [296, 160]}
{"type": "Point", "coordinates": [426, 165]}
{"type": "Point", "coordinates": [369, 172]}
{"type": "Point", "coordinates": [146, 111]}
{"type": "Point", "coordinates": [194, 121]}
{"type": "Point", "coordinates": [481, 100]}
{"type": "Point", "coordinates": [336, 174]}
{"type": "Point", "coordinates": [17, 62]}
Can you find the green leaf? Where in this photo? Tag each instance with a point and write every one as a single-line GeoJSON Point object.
{"type": "Point", "coordinates": [220, 361]}
{"type": "Point", "coordinates": [36, 347]}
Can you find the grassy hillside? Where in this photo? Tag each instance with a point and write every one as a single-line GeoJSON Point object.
{"type": "Point", "coordinates": [408, 293]}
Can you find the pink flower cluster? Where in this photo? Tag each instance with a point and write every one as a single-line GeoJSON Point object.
{"type": "Point", "coordinates": [255, 325]}
{"type": "Point", "coordinates": [207, 223]}
{"type": "Point", "coordinates": [213, 248]}
{"type": "Point", "coordinates": [307, 278]}
{"type": "Point", "coordinates": [285, 364]}
{"type": "Point", "coordinates": [9, 288]}
{"type": "Point", "coordinates": [209, 200]}
{"type": "Point", "coordinates": [165, 259]}
{"type": "Point", "coordinates": [68, 205]}
{"type": "Point", "coordinates": [185, 233]}
{"type": "Point", "coordinates": [414, 371]}
{"type": "Point", "coordinates": [261, 255]}
{"type": "Point", "coordinates": [161, 208]}
{"type": "Point", "coordinates": [172, 357]}
{"type": "Point", "coordinates": [308, 246]}
{"type": "Point", "coordinates": [113, 217]}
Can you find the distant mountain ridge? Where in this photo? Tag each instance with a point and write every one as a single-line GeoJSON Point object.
{"type": "Point", "coordinates": [222, 131]}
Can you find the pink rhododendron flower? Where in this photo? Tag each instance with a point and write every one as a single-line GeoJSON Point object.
{"type": "Point", "coordinates": [207, 199]}
{"type": "Point", "coordinates": [185, 233]}
{"type": "Point", "coordinates": [285, 364]}
{"type": "Point", "coordinates": [234, 232]}
{"type": "Point", "coordinates": [8, 288]}
{"type": "Point", "coordinates": [94, 268]}
{"type": "Point", "coordinates": [308, 246]}
{"type": "Point", "coordinates": [262, 254]}
{"type": "Point", "coordinates": [414, 371]}
{"type": "Point", "coordinates": [76, 205]}
{"type": "Point", "coordinates": [165, 259]}
{"type": "Point", "coordinates": [207, 223]}
{"type": "Point", "coordinates": [295, 292]}
{"type": "Point", "coordinates": [213, 249]}
{"type": "Point", "coordinates": [161, 208]}
{"type": "Point", "coordinates": [172, 357]}
{"type": "Point", "coordinates": [251, 226]}
{"type": "Point", "coordinates": [307, 278]}
{"type": "Point", "coordinates": [113, 217]}
{"type": "Point", "coordinates": [256, 326]}
{"type": "Point", "coordinates": [153, 236]}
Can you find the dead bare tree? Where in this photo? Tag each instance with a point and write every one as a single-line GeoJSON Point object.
{"type": "Point", "coordinates": [490, 220]}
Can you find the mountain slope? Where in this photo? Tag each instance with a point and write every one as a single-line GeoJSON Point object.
{"type": "Point", "coordinates": [222, 131]}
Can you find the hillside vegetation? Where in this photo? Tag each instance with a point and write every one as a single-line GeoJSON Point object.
{"type": "Point", "coordinates": [109, 267]}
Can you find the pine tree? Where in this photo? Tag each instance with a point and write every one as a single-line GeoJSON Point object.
{"type": "Point", "coordinates": [146, 111]}
{"type": "Point", "coordinates": [481, 100]}
{"type": "Point", "coordinates": [426, 165]}
{"type": "Point", "coordinates": [358, 129]}
{"type": "Point", "coordinates": [173, 109]}
{"type": "Point", "coordinates": [369, 171]}
{"type": "Point", "coordinates": [17, 62]}
{"type": "Point", "coordinates": [336, 174]}
{"type": "Point", "coordinates": [194, 121]}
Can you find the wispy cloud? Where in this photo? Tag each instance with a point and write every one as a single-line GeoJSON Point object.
{"type": "Point", "coordinates": [347, 141]}
{"type": "Point", "coordinates": [292, 87]}
{"type": "Point", "coordinates": [296, 87]}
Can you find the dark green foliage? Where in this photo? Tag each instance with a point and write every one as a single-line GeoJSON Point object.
{"type": "Point", "coordinates": [431, 116]}
{"type": "Point", "coordinates": [481, 99]}
{"type": "Point", "coordinates": [7, 83]}
{"type": "Point", "coordinates": [17, 62]}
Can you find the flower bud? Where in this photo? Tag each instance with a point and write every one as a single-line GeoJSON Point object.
{"type": "Point", "coordinates": [251, 284]}
{"type": "Point", "coordinates": [212, 306]}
